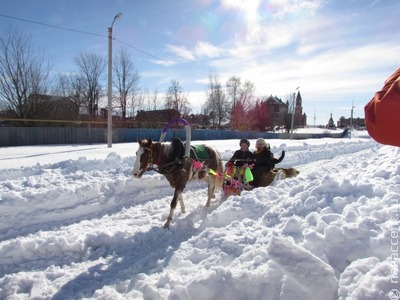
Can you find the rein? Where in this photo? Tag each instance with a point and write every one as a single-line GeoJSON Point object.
{"type": "Point", "coordinates": [162, 169]}
{"type": "Point", "coordinates": [159, 169]}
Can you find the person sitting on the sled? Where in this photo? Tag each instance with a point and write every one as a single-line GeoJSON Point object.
{"type": "Point", "coordinates": [264, 160]}
{"type": "Point", "coordinates": [240, 158]}
{"type": "Point", "coordinates": [243, 155]}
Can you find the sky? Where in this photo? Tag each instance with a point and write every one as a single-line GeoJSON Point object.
{"type": "Point", "coordinates": [338, 53]}
{"type": "Point", "coordinates": [75, 224]}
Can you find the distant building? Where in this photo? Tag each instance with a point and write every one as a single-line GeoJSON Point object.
{"type": "Point", "coordinates": [331, 123]}
{"type": "Point", "coordinates": [345, 122]}
{"type": "Point", "coordinates": [48, 107]}
{"type": "Point", "coordinates": [300, 118]}
{"type": "Point", "coordinates": [277, 112]}
{"type": "Point", "coordinates": [198, 120]}
{"type": "Point", "coordinates": [155, 118]}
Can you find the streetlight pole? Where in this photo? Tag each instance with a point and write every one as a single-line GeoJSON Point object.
{"type": "Point", "coordinates": [109, 108]}
{"type": "Point", "coordinates": [293, 110]}
{"type": "Point", "coordinates": [351, 119]}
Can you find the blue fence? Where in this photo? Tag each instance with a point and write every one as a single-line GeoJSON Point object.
{"type": "Point", "coordinates": [23, 136]}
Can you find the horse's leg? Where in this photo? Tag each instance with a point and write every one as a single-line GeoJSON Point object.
{"type": "Point", "coordinates": [177, 195]}
{"type": "Point", "coordinates": [211, 188]}
{"type": "Point", "coordinates": [180, 198]}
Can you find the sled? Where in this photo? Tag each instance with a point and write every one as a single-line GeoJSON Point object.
{"type": "Point", "coordinates": [237, 179]}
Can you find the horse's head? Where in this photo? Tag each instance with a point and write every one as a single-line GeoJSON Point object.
{"type": "Point", "coordinates": [143, 158]}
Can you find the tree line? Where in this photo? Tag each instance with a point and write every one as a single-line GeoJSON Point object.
{"type": "Point", "coordinates": [25, 70]}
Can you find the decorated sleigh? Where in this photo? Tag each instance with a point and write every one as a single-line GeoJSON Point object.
{"type": "Point", "coordinates": [237, 179]}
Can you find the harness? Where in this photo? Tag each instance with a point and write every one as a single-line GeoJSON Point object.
{"type": "Point", "coordinates": [181, 156]}
{"type": "Point", "coordinates": [197, 153]}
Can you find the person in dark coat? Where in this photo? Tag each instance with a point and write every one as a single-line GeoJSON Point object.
{"type": "Point", "coordinates": [240, 158]}
{"type": "Point", "coordinates": [264, 160]}
{"type": "Point", "coordinates": [243, 155]}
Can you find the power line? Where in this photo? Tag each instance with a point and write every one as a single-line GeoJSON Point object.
{"type": "Point", "coordinates": [137, 49]}
{"type": "Point", "coordinates": [53, 26]}
{"type": "Point", "coordinates": [80, 31]}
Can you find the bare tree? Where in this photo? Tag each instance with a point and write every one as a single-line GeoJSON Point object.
{"type": "Point", "coordinates": [62, 85]}
{"type": "Point", "coordinates": [91, 67]}
{"type": "Point", "coordinates": [241, 118]}
{"type": "Point", "coordinates": [290, 102]}
{"type": "Point", "coordinates": [150, 101]}
{"type": "Point", "coordinates": [23, 71]}
{"type": "Point", "coordinates": [233, 86]}
{"type": "Point", "coordinates": [217, 104]}
{"type": "Point", "coordinates": [176, 99]}
{"type": "Point", "coordinates": [73, 86]}
{"type": "Point", "coordinates": [126, 81]}
{"type": "Point", "coordinates": [78, 89]}
{"type": "Point", "coordinates": [247, 94]}
{"type": "Point", "coordinates": [154, 99]}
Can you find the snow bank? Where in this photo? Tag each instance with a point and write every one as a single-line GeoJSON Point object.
{"type": "Point", "coordinates": [79, 226]}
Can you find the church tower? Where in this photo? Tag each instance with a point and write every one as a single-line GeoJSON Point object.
{"type": "Point", "coordinates": [300, 118]}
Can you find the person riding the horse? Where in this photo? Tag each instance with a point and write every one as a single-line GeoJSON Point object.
{"type": "Point", "coordinates": [264, 161]}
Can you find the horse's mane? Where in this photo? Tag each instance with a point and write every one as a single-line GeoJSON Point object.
{"type": "Point", "coordinates": [166, 148]}
{"type": "Point", "coordinates": [176, 150]}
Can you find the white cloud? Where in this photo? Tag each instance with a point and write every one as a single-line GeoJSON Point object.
{"type": "Point", "coordinates": [205, 49]}
{"type": "Point", "coordinates": [163, 62]}
{"type": "Point", "coordinates": [273, 24]}
{"type": "Point", "coordinates": [277, 36]}
{"type": "Point", "coordinates": [263, 35]}
{"type": "Point", "coordinates": [181, 52]}
{"type": "Point", "coordinates": [324, 75]}
{"type": "Point", "coordinates": [249, 6]}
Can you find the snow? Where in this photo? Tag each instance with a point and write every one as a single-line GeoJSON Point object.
{"type": "Point", "coordinates": [75, 224]}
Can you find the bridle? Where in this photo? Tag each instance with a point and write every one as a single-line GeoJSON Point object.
{"type": "Point", "coordinates": [149, 163]}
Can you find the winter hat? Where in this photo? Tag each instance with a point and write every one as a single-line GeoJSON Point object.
{"type": "Point", "coordinates": [261, 141]}
{"type": "Point", "coordinates": [244, 141]}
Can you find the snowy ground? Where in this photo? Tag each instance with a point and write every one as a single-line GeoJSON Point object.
{"type": "Point", "coordinates": [74, 224]}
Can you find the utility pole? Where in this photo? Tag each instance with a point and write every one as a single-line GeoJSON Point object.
{"type": "Point", "coordinates": [351, 117]}
{"type": "Point", "coordinates": [293, 111]}
{"type": "Point", "coordinates": [109, 106]}
{"type": "Point", "coordinates": [314, 116]}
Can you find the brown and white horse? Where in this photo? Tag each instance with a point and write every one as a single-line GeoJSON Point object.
{"type": "Point", "coordinates": [178, 170]}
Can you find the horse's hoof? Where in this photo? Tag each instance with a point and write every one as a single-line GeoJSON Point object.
{"type": "Point", "coordinates": [166, 225]}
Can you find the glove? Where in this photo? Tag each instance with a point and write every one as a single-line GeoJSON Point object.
{"type": "Point", "coordinates": [277, 161]}
{"type": "Point", "coordinates": [229, 164]}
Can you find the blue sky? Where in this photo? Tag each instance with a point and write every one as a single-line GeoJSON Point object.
{"type": "Point", "coordinates": [338, 52]}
